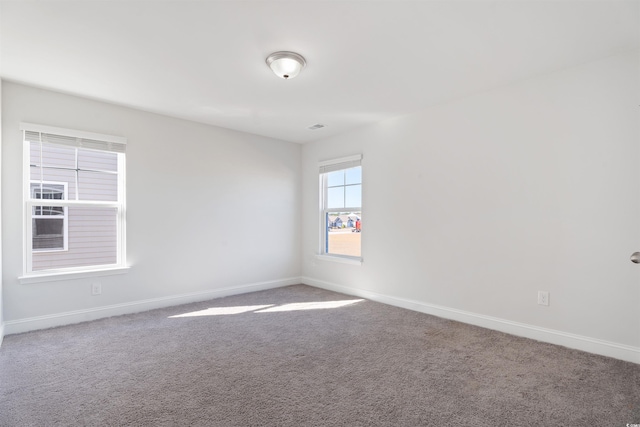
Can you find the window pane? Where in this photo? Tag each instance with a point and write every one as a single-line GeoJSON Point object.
{"type": "Point", "coordinates": [354, 175]}
{"type": "Point", "coordinates": [97, 186]}
{"type": "Point", "coordinates": [97, 160]}
{"type": "Point", "coordinates": [52, 155]}
{"type": "Point", "coordinates": [335, 197]}
{"type": "Point", "coordinates": [353, 195]}
{"type": "Point", "coordinates": [343, 236]}
{"type": "Point", "coordinates": [92, 240]}
{"type": "Point", "coordinates": [335, 178]}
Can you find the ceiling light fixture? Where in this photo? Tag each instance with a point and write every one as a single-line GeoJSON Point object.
{"type": "Point", "coordinates": [286, 65]}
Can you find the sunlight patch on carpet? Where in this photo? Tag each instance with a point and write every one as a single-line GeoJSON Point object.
{"type": "Point", "coordinates": [309, 306]}
{"type": "Point", "coordinates": [220, 311]}
{"type": "Point", "coordinates": [268, 308]}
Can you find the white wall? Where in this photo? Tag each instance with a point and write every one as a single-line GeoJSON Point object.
{"type": "Point", "coordinates": [530, 187]}
{"type": "Point", "coordinates": [1, 225]}
{"type": "Point", "coordinates": [209, 211]}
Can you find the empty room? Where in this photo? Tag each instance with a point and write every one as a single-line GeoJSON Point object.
{"type": "Point", "coordinates": [320, 213]}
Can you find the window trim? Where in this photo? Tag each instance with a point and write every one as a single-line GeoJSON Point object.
{"type": "Point", "coordinates": [79, 274]}
{"type": "Point", "coordinates": [326, 167]}
{"type": "Point", "coordinates": [341, 259]}
{"type": "Point", "coordinates": [79, 139]}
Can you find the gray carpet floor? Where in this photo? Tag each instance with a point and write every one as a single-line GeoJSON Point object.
{"type": "Point", "coordinates": [294, 357]}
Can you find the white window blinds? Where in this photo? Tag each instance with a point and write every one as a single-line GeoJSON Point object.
{"type": "Point", "coordinates": [73, 138]}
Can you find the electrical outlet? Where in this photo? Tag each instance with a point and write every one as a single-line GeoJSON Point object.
{"type": "Point", "coordinates": [96, 288]}
{"type": "Point", "coordinates": [543, 297]}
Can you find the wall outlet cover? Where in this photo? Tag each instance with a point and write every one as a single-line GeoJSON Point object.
{"type": "Point", "coordinates": [543, 297]}
{"type": "Point", "coordinates": [96, 289]}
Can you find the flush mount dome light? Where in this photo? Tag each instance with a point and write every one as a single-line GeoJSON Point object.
{"type": "Point", "coordinates": [286, 65]}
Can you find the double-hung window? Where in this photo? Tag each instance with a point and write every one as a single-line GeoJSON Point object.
{"type": "Point", "coordinates": [74, 194]}
{"type": "Point", "coordinates": [341, 207]}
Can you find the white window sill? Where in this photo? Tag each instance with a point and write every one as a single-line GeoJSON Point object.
{"type": "Point", "coordinates": [67, 275]}
{"type": "Point", "coordinates": [340, 259]}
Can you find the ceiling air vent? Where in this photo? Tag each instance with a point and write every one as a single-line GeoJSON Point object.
{"type": "Point", "coordinates": [316, 126]}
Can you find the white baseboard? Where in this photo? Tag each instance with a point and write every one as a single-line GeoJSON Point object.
{"type": "Point", "coordinates": [1, 332]}
{"type": "Point", "coordinates": [77, 316]}
{"type": "Point", "coordinates": [579, 342]}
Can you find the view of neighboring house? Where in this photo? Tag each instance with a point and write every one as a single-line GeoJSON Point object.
{"type": "Point", "coordinates": [343, 221]}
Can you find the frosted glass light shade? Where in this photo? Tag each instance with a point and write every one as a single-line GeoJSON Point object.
{"type": "Point", "coordinates": [286, 65]}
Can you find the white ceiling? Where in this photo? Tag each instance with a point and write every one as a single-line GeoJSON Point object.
{"type": "Point", "coordinates": [366, 60]}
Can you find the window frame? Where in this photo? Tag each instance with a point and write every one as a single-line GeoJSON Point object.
{"type": "Point", "coordinates": [325, 168]}
{"type": "Point", "coordinates": [64, 217]}
{"type": "Point", "coordinates": [86, 140]}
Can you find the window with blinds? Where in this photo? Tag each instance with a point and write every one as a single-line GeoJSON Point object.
{"type": "Point", "coordinates": [74, 200]}
{"type": "Point", "coordinates": [341, 183]}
